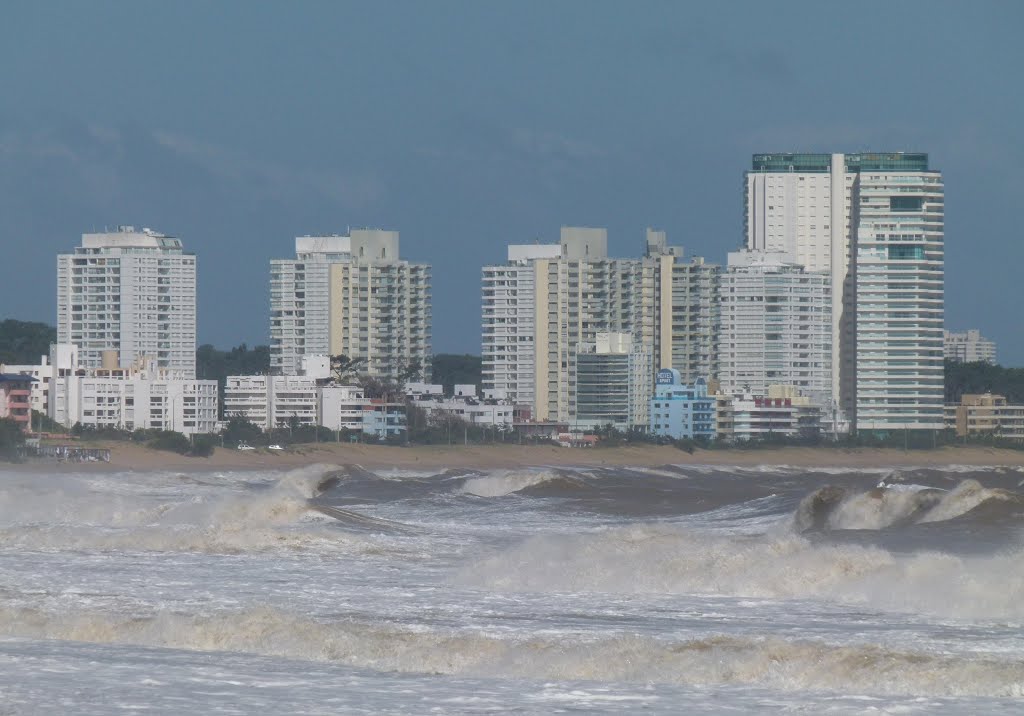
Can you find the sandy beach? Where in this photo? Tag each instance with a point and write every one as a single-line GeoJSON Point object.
{"type": "Point", "coordinates": [127, 456]}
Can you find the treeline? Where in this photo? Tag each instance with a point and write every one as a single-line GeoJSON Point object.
{"type": "Point", "coordinates": [968, 378]}
{"type": "Point", "coordinates": [24, 342]}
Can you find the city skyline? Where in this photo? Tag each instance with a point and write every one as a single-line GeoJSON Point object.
{"type": "Point", "coordinates": [563, 118]}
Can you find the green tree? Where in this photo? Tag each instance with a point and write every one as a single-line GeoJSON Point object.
{"type": "Point", "coordinates": [12, 439]}
{"type": "Point", "coordinates": [170, 441]}
{"type": "Point", "coordinates": [981, 377]}
{"type": "Point", "coordinates": [203, 445]}
{"type": "Point", "coordinates": [345, 369]}
{"type": "Point", "coordinates": [239, 430]}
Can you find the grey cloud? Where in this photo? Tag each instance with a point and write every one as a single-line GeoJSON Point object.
{"type": "Point", "coordinates": [271, 179]}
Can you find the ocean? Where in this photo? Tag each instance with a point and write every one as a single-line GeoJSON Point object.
{"type": "Point", "coordinates": [682, 589]}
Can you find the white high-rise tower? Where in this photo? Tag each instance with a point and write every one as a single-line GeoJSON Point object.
{"type": "Point", "coordinates": [351, 295]}
{"type": "Point", "coordinates": [125, 295]}
{"type": "Point", "coordinates": [875, 223]}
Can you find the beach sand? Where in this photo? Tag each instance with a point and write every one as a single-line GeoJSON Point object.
{"type": "Point", "coordinates": [127, 456]}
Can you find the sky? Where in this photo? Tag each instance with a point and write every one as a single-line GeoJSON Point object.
{"type": "Point", "coordinates": [466, 126]}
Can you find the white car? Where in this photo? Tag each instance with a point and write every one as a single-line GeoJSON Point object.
{"type": "Point", "coordinates": [245, 446]}
{"type": "Point", "coordinates": [275, 446]}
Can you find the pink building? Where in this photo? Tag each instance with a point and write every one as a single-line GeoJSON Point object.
{"type": "Point", "coordinates": [15, 398]}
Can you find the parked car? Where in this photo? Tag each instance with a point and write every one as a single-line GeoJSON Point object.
{"type": "Point", "coordinates": [245, 446]}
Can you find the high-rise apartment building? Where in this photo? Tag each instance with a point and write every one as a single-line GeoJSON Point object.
{"type": "Point", "coordinates": [300, 301]}
{"type": "Point", "coordinates": [351, 295]}
{"type": "Point", "coordinates": [551, 298]}
{"type": "Point", "coordinates": [509, 322]}
{"type": "Point", "coordinates": [613, 383]}
{"type": "Point", "coordinates": [875, 223]}
{"type": "Point", "coordinates": [969, 347]}
{"type": "Point", "coordinates": [776, 326]}
{"type": "Point", "coordinates": [129, 295]}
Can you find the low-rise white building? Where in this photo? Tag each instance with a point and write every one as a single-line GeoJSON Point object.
{"type": "Point", "coordinates": [280, 401]}
{"type": "Point", "coordinates": [969, 347]}
{"type": "Point", "coordinates": [142, 396]}
{"type": "Point", "coordinates": [464, 405]}
{"type": "Point", "coordinates": [61, 362]}
{"type": "Point", "coordinates": [783, 412]}
{"type": "Point", "coordinates": [341, 407]}
{"type": "Point", "coordinates": [271, 401]}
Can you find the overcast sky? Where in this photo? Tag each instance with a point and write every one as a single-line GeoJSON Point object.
{"type": "Point", "coordinates": [467, 126]}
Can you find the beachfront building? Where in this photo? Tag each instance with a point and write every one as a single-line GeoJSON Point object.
{"type": "Point", "coordinates": [15, 398]}
{"type": "Point", "coordinates": [39, 390]}
{"type": "Point", "coordinates": [776, 320]}
{"type": "Point", "coordinates": [613, 380]}
{"type": "Point", "coordinates": [680, 410]}
{"type": "Point", "coordinates": [874, 222]}
{"type": "Point", "coordinates": [548, 298]}
{"type": "Point", "coordinates": [141, 396]}
{"type": "Point", "coordinates": [340, 407]}
{"type": "Point", "coordinates": [968, 347]}
{"type": "Point", "coordinates": [780, 413]}
{"type": "Point", "coordinates": [283, 401]}
{"type": "Point", "coordinates": [351, 295]}
{"type": "Point", "coordinates": [132, 293]}
{"type": "Point", "coordinates": [466, 404]}
{"type": "Point", "coordinates": [271, 401]}
{"type": "Point", "coordinates": [509, 322]}
{"type": "Point", "coordinates": [899, 289]}
{"type": "Point", "coordinates": [986, 414]}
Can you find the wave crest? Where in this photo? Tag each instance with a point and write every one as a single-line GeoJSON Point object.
{"type": "Point", "coordinates": [650, 559]}
{"type": "Point", "coordinates": [506, 482]}
{"type": "Point", "coordinates": [789, 665]}
{"type": "Point", "coordinates": [836, 508]}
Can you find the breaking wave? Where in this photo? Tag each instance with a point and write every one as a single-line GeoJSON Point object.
{"type": "Point", "coordinates": [836, 508]}
{"type": "Point", "coordinates": [788, 665]}
{"type": "Point", "coordinates": [506, 482]}
{"type": "Point", "coordinates": [70, 515]}
{"type": "Point", "coordinates": [647, 559]}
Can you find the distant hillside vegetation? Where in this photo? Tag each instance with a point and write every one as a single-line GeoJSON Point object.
{"type": "Point", "coordinates": [963, 378]}
{"type": "Point", "coordinates": [450, 369]}
{"type": "Point", "coordinates": [24, 342]}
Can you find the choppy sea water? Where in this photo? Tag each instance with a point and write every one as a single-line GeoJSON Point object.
{"type": "Point", "coordinates": [676, 590]}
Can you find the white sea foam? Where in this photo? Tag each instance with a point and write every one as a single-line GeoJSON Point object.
{"type": "Point", "coordinates": [68, 513]}
{"type": "Point", "coordinates": [784, 664]}
{"type": "Point", "coordinates": [651, 559]}
{"type": "Point", "coordinates": [964, 498]}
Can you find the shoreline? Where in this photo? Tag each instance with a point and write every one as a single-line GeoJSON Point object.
{"type": "Point", "coordinates": [128, 456]}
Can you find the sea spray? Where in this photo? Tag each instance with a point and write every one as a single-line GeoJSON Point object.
{"type": "Point", "coordinates": [665, 559]}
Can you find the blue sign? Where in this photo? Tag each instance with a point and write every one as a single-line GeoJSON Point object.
{"type": "Point", "coordinates": [666, 376]}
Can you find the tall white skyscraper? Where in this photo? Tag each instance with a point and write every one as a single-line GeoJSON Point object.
{"type": "Point", "coordinates": [351, 295]}
{"type": "Point", "coordinates": [776, 326]}
{"type": "Point", "coordinates": [875, 223]}
{"type": "Point", "coordinates": [300, 301]}
{"type": "Point", "coordinates": [551, 298]}
{"type": "Point", "coordinates": [125, 295]}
